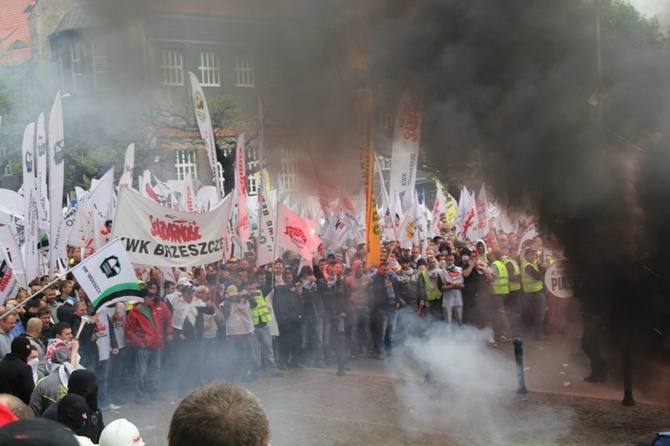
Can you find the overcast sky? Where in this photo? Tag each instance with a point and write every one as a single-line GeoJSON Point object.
{"type": "Point", "coordinates": [651, 8]}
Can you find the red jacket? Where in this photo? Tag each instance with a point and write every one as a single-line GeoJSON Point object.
{"type": "Point", "coordinates": [140, 332]}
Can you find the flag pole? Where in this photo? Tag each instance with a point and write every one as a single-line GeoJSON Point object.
{"type": "Point", "coordinates": [38, 292]}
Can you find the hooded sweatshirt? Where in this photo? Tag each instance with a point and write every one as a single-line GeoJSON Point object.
{"type": "Point", "coordinates": [16, 376]}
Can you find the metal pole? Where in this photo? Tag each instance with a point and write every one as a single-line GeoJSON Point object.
{"type": "Point", "coordinates": [42, 289]}
{"type": "Point", "coordinates": [518, 355]}
{"type": "Point", "coordinates": [627, 377]}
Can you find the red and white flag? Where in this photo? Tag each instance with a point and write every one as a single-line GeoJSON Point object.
{"type": "Point", "coordinates": [242, 225]}
{"type": "Point", "coordinates": [294, 233]}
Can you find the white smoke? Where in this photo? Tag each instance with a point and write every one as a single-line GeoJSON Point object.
{"type": "Point", "coordinates": [472, 393]}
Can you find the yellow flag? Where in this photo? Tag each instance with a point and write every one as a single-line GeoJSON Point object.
{"type": "Point", "coordinates": [356, 76]}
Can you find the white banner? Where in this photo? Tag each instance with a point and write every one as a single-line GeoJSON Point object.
{"type": "Point", "coordinates": [128, 166]}
{"type": "Point", "coordinates": [483, 216]}
{"type": "Point", "coordinates": [205, 127]}
{"type": "Point", "coordinates": [156, 235]}
{"type": "Point", "coordinates": [466, 217]}
{"type": "Point", "coordinates": [41, 174]}
{"type": "Point", "coordinates": [265, 245]}
{"type": "Point", "coordinates": [9, 286]}
{"type": "Point", "coordinates": [242, 227]}
{"type": "Point", "coordinates": [57, 238]}
{"type": "Point", "coordinates": [108, 276]}
{"type": "Point", "coordinates": [9, 240]}
{"type": "Point", "coordinates": [405, 148]}
{"type": "Point", "coordinates": [439, 208]}
{"type": "Point", "coordinates": [30, 221]}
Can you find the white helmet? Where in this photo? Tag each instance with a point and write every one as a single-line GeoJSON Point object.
{"type": "Point", "coordinates": [121, 432]}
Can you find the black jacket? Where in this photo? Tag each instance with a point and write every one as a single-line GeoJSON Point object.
{"type": "Point", "coordinates": [16, 376]}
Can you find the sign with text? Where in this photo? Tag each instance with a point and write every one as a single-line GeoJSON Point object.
{"type": "Point", "coordinates": [557, 280]}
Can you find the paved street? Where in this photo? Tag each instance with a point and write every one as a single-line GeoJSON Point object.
{"type": "Point", "coordinates": [472, 399]}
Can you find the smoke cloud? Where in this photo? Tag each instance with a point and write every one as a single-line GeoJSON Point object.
{"type": "Point", "coordinates": [472, 392]}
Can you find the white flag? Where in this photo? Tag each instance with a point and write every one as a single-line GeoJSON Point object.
{"type": "Point", "coordinates": [108, 276]}
{"type": "Point", "coordinates": [128, 166]}
{"type": "Point", "coordinates": [242, 228]}
{"type": "Point", "coordinates": [405, 148]}
{"type": "Point", "coordinates": [9, 286]}
{"type": "Point", "coordinates": [294, 233]}
{"type": "Point", "coordinates": [265, 245]}
{"type": "Point", "coordinates": [57, 237]}
{"type": "Point", "coordinates": [439, 208]}
{"type": "Point", "coordinates": [30, 220]}
{"type": "Point", "coordinates": [9, 240]}
{"type": "Point", "coordinates": [483, 216]}
{"type": "Point", "coordinates": [205, 127]}
{"type": "Point", "coordinates": [41, 174]}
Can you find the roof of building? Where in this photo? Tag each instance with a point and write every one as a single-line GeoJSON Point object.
{"type": "Point", "coordinates": [15, 31]}
{"type": "Point", "coordinates": [78, 18]}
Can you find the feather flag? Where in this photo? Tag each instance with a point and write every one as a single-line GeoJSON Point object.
{"type": "Point", "coordinates": [206, 131]}
{"type": "Point", "coordinates": [56, 156]}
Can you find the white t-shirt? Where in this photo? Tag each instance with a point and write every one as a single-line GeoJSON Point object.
{"type": "Point", "coordinates": [449, 276]}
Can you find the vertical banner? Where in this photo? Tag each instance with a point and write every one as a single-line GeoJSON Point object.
{"type": "Point", "coordinates": [405, 147]}
{"type": "Point", "coordinates": [9, 286]}
{"type": "Point", "coordinates": [9, 240]}
{"type": "Point", "coordinates": [265, 245]}
{"type": "Point", "coordinates": [128, 166]}
{"type": "Point", "coordinates": [242, 228]}
{"type": "Point", "coordinates": [205, 127]}
{"type": "Point", "coordinates": [357, 79]}
{"type": "Point", "coordinates": [483, 212]}
{"type": "Point", "coordinates": [56, 147]}
{"type": "Point", "coordinates": [30, 223]}
{"type": "Point", "coordinates": [439, 208]}
{"type": "Point", "coordinates": [41, 173]}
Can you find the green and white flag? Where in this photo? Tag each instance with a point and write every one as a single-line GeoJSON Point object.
{"type": "Point", "coordinates": [108, 276]}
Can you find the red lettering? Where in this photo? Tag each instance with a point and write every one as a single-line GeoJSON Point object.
{"type": "Point", "coordinates": [178, 231]}
{"type": "Point", "coordinates": [412, 122]}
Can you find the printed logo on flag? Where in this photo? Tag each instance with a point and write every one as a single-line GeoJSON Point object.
{"type": "Point", "coordinates": [59, 153]}
{"type": "Point", "coordinates": [297, 235]}
{"type": "Point", "coordinates": [177, 231]}
{"type": "Point", "coordinates": [41, 145]}
{"type": "Point", "coordinates": [111, 267]}
{"type": "Point", "coordinates": [6, 275]}
{"type": "Point", "coordinates": [29, 162]}
{"type": "Point", "coordinates": [199, 106]}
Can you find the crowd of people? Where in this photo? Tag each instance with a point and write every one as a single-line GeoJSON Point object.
{"type": "Point", "coordinates": [233, 321]}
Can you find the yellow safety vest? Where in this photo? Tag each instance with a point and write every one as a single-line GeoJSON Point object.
{"type": "Point", "coordinates": [500, 283]}
{"type": "Point", "coordinates": [261, 311]}
{"type": "Point", "coordinates": [530, 285]}
{"type": "Point", "coordinates": [513, 284]}
{"type": "Point", "coordinates": [432, 293]}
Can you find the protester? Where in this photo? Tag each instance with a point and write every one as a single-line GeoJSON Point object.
{"type": "Point", "coordinates": [85, 384]}
{"type": "Point", "coordinates": [50, 389]}
{"type": "Point", "coordinates": [37, 431]}
{"type": "Point", "coordinates": [18, 407]}
{"type": "Point", "coordinates": [121, 432]}
{"type": "Point", "coordinates": [16, 376]}
{"type": "Point", "coordinates": [7, 324]}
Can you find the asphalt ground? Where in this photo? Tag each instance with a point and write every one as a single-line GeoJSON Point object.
{"type": "Point", "coordinates": [471, 399]}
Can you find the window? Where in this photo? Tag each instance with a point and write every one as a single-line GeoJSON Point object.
{"type": "Point", "coordinates": [219, 174]}
{"type": "Point", "coordinates": [209, 70]}
{"type": "Point", "coordinates": [8, 169]}
{"type": "Point", "coordinates": [77, 55]}
{"type": "Point", "coordinates": [173, 68]}
{"type": "Point", "coordinates": [244, 68]}
{"type": "Point", "coordinates": [100, 66]}
{"type": "Point", "coordinates": [185, 163]}
{"type": "Point", "coordinates": [276, 72]}
{"type": "Point", "coordinates": [252, 179]}
{"type": "Point", "coordinates": [288, 171]}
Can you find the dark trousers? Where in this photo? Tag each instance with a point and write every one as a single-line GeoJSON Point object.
{"type": "Point", "coordinates": [290, 335]}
